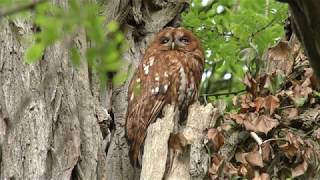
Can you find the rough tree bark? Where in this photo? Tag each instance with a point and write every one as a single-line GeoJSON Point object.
{"type": "Point", "coordinates": [188, 162]}
{"type": "Point", "coordinates": [50, 113]}
{"type": "Point", "coordinates": [306, 22]}
{"type": "Point", "coordinates": [140, 21]}
{"type": "Point", "coordinates": [49, 128]}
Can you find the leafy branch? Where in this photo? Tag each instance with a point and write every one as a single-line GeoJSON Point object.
{"type": "Point", "coordinates": [22, 8]}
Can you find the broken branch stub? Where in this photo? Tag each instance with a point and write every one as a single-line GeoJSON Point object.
{"type": "Point", "coordinates": [192, 162]}
{"type": "Point", "coordinates": [156, 146]}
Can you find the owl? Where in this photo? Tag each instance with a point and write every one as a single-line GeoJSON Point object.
{"type": "Point", "coordinates": [169, 73]}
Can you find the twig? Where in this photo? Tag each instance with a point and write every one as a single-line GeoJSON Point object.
{"type": "Point", "coordinates": [24, 7]}
{"type": "Point", "coordinates": [262, 28]}
{"type": "Point", "coordinates": [286, 107]}
{"type": "Point", "coordinates": [260, 142]}
{"type": "Point", "coordinates": [275, 139]}
{"type": "Point", "coordinates": [256, 138]}
{"type": "Point", "coordinates": [223, 94]}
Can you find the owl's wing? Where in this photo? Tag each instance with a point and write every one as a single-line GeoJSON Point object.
{"type": "Point", "coordinates": [147, 95]}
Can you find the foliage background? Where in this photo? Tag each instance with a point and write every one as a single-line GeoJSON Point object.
{"type": "Point", "coordinates": [234, 34]}
{"type": "Point", "coordinates": [53, 23]}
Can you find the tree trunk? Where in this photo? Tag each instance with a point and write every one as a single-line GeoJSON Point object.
{"type": "Point", "coordinates": [138, 35]}
{"type": "Point", "coordinates": [51, 115]}
{"type": "Point", "coordinates": [307, 26]}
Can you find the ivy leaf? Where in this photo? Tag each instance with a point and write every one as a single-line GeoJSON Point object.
{"type": "Point", "coordinates": [113, 26]}
{"type": "Point", "coordinates": [34, 54]}
{"type": "Point", "coordinates": [75, 57]}
{"type": "Point", "coordinates": [120, 78]}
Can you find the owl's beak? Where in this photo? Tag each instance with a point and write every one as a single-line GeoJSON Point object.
{"type": "Point", "coordinates": [172, 45]}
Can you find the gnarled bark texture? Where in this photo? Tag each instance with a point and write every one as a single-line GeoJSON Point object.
{"type": "Point", "coordinates": [305, 15]}
{"type": "Point", "coordinates": [52, 115]}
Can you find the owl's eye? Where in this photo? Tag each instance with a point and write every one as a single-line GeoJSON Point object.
{"type": "Point", "coordinates": [164, 40]}
{"type": "Point", "coordinates": [184, 40]}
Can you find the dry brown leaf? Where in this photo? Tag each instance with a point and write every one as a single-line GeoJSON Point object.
{"type": "Point", "coordinates": [248, 80]}
{"type": "Point", "coordinates": [271, 103]}
{"type": "Point", "coordinates": [300, 91]}
{"type": "Point", "coordinates": [292, 147]}
{"type": "Point", "coordinates": [289, 113]}
{"type": "Point", "coordinates": [245, 102]}
{"type": "Point", "coordinates": [226, 126]}
{"type": "Point", "coordinates": [241, 157]}
{"type": "Point", "coordinates": [217, 161]}
{"type": "Point", "coordinates": [260, 123]}
{"type": "Point", "coordinates": [277, 59]}
{"type": "Point", "coordinates": [299, 169]}
{"type": "Point", "coordinates": [267, 152]}
{"type": "Point", "coordinates": [263, 176]}
{"type": "Point", "coordinates": [243, 170]}
{"type": "Point", "coordinates": [216, 138]}
{"type": "Point", "coordinates": [229, 169]}
{"type": "Point", "coordinates": [259, 102]}
{"type": "Point", "coordinates": [289, 150]}
{"type": "Point", "coordinates": [239, 118]}
{"type": "Point", "coordinates": [295, 140]}
{"type": "Point", "coordinates": [253, 122]}
{"type": "Point", "coordinates": [251, 83]}
{"type": "Point", "coordinates": [254, 159]}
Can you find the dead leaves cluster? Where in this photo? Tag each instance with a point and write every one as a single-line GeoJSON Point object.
{"type": "Point", "coordinates": [282, 137]}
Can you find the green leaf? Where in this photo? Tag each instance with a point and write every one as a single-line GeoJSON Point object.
{"type": "Point", "coordinates": [34, 53]}
{"type": "Point", "coordinates": [120, 78]}
{"type": "Point", "coordinates": [75, 57]}
{"type": "Point", "coordinates": [113, 26]}
{"type": "Point", "coordinates": [112, 66]}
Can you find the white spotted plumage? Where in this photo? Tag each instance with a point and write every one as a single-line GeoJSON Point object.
{"type": "Point", "coordinates": [165, 88]}
{"type": "Point", "coordinates": [166, 74]}
{"type": "Point", "coordinates": [151, 60]}
{"type": "Point", "coordinates": [146, 69]}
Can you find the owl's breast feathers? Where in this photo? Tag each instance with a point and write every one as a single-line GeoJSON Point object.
{"type": "Point", "coordinates": [163, 77]}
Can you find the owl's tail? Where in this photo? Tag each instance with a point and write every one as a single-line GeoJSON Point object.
{"type": "Point", "coordinates": [135, 152]}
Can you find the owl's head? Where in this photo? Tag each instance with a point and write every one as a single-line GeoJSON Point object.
{"type": "Point", "coordinates": [179, 39]}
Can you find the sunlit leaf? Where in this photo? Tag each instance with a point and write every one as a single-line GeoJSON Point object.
{"type": "Point", "coordinates": [120, 78]}
{"type": "Point", "coordinates": [113, 26]}
{"type": "Point", "coordinates": [75, 57]}
{"type": "Point", "coordinates": [34, 53]}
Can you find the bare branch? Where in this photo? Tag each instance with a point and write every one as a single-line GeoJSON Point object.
{"type": "Point", "coordinates": [224, 94]}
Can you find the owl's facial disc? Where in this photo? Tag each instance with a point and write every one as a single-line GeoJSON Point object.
{"type": "Point", "coordinates": [181, 39]}
{"type": "Point", "coordinates": [172, 45]}
{"type": "Point", "coordinates": [166, 41]}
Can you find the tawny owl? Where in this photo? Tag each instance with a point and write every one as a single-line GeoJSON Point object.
{"type": "Point", "coordinates": [169, 73]}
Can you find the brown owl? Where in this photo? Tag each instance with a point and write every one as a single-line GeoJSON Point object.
{"type": "Point", "coordinates": [169, 73]}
